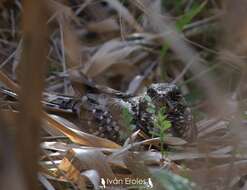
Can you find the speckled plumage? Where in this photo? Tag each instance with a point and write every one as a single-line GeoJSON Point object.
{"type": "Point", "coordinates": [168, 96]}
{"type": "Point", "coordinates": [108, 120]}
{"type": "Point", "coordinates": [102, 114]}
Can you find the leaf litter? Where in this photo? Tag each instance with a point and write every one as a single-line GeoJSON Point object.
{"type": "Point", "coordinates": [118, 47]}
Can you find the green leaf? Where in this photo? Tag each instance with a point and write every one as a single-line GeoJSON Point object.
{"type": "Point", "coordinates": [150, 109]}
{"type": "Point", "coordinates": [161, 122]}
{"type": "Point", "coordinates": [167, 124]}
{"type": "Point", "coordinates": [147, 98]}
{"type": "Point", "coordinates": [127, 116]}
{"type": "Point", "coordinates": [189, 15]}
{"type": "Point", "coordinates": [128, 119]}
{"type": "Point", "coordinates": [172, 181]}
{"type": "Point", "coordinates": [182, 22]}
{"type": "Point", "coordinates": [155, 133]}
{"type": "Point", "coordinates": [164, 49]}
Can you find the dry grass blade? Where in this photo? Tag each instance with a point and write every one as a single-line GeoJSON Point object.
{"type": "Point", "coordinates": [220, 126]}
{"type": "Point", "coordinates": [154, 141]}
{"type": "Point", "coordinates": [139, 170]}
{"type": "Point", "coordinates": [72, 47]}
{"type": "Point", "coordinates": [186, 156]}
{"type": "Point", "coordinates": [9, 83]}
{"type": "Point", "coordinates": [105, 26]}
{"type": "Point", "coordinates": [69, 40]}
{"type": "Point", "coordinates": [238, 168]}
{"type": "Point", "coordinates": [45, 182]}
{"type": "Point", "coordinates": [64, 147]}
{"type": "Point", "coordinates": [60, 11]}
{"type": "Point", "coordinates": [57, 146]}
{"type": "Point", "coordinates": [10, 166]}
{"type": "Point", "coordinates": [123, 12]}
{"type": "Point", "coordinates": [35, 44]}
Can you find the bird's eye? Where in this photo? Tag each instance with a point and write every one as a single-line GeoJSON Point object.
{"type": "Point", "coordinates": [151, 92]}
{"type": "Point", "coordinates": [104, 3]}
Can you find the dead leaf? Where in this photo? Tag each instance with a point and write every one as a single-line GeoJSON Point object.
{"type": "Point", "coordinates": [80, 160]}
{"type": "Point", "coordinates": [110, 53]}
{"type": "Point", "coordinates": [77, 136]}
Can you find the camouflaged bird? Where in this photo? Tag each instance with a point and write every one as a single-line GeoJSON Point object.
{"type": "Point", "coordinates": [101, 113]}
{"type": "Point", "coordinates": [105, 115]}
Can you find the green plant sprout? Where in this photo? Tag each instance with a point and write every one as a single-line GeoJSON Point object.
{"type": "Point", "coordinates": [183, 21]}
{"type": "Point", "coordinates": [160, 122]}
{"type": "Point", "coordinates": [128, 122]}
{"type": "Point", "coordinates": [189, 15]}
{"type": "Point", "coordinates": [180, 25]}
{"type": "Point", "coordinates": [150, 105]}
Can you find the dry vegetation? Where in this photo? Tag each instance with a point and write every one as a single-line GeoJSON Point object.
{"type": "Point", "coordinates": [73, 47]}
